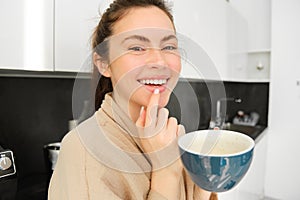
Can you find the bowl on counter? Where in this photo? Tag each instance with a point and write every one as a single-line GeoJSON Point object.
{"type": "Point", "coordinates": [216, 162]}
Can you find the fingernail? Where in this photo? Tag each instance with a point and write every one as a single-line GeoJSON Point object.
{"type": "Point", "coordinates": [156, 91]}
{"type": "Point", "coordinates": [141, 111]}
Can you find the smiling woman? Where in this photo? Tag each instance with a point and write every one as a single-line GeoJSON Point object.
{"type": "Point", "coordinates": [128, 148]}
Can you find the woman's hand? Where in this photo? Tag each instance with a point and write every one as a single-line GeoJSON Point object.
{"type": "Point", "coordinates": [158, 139]}
{"type": "Point", "coordinates": [158, 133]}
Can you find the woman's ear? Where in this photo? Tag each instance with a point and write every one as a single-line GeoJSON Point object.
{"type": "Point", "coordinates": [101, 64]}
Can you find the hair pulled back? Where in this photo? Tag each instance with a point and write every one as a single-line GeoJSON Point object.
{"type": "Point", "coordinates": [100, 84]}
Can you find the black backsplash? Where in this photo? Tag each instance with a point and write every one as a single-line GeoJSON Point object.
{"type": "Point", "coordinates": [36, 111]}
{"type": "Point", "coordinates": [255, 97]}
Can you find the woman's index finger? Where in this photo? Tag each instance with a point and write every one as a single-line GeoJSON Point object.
{"type": "Point", "coordinates": [152, 109]}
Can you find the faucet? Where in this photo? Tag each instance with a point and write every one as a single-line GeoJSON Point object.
{"type": "Point", "coordinates": [219, 119]}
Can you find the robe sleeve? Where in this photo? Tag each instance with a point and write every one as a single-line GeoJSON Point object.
{"type": "Point", "coordinates": [68, 179]}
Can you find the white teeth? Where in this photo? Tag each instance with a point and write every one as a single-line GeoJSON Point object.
{"type": "Point", "coordinates": [153, 81]}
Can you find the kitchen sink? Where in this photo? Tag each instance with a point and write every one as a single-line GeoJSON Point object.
{"type": "Point", "coordinates": [252, 131]}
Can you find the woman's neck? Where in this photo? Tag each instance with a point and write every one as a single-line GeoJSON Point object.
{"type": "Point", "coordinates": [131, 109]}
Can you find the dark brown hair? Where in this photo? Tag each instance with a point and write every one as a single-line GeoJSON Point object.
{"type": "Point", "coordinates": [114, 13]}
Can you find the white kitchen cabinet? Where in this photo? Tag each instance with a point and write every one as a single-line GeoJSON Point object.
{"type": "Point", "coordinates": [204, 22]}
{"type": "Point", "coordinates": [74, 24]}
{"type": "Point", "coordinates": [26, 34]}
{"type": "Point", "coordinates": [251, 186]}
{"type": "Point", "coordinates": [235, 35]}
{"type": "Point", "coordinates": [219, 31]}
{"type": "Point", "coordinates": [258, 16]}
{"type": "Point", "coordinates": [237, 44]}
{"type": "Point", "coordinates": [57, 36]}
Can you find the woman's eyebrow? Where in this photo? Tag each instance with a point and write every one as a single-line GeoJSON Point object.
{"type": "Point", "coordinates": [145, 39]}
{"type": "Point", "coordinates": [169, 37]}
{"type": "Point", "coordinates": [136, 37]}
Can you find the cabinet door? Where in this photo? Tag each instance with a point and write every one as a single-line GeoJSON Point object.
{"type": "Point", "coordinates": [26, 34]}
{"type": "Point", "coordinates": [204, 22]}
{"type": "Point", "coordinates": [74, 25]}
{"type": "Point", "coordinates": [258, 16]}
{"type": "Point", "coordinates": [219, 31]}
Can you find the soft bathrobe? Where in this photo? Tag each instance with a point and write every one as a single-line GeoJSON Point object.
{"type": "Point", "coordinates": [101, 159]}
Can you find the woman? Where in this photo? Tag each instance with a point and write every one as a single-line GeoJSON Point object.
{"type": "Point", "coordinates": [127, 149]}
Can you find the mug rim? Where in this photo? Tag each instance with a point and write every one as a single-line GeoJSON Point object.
{"type": "Point", "coordinates": [197, 132]}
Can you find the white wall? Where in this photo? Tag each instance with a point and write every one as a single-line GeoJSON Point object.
{"type": "Point", "coordinates": [283, 164]}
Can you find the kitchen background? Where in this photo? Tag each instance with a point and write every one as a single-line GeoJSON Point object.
{"type": "Point", "coordinates": [253, 43]}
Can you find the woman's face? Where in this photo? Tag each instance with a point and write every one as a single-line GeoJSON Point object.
{"type": "Point", "coordinates": [143, 56]}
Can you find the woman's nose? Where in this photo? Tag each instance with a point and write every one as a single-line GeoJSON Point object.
{"type": "Point", "coordinates": [155, 55]}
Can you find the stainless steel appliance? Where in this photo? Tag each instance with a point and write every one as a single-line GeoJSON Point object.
{"type": "Point", "coordinates": [7, 164]}
{"type": "Point", "coordinates": [8, 177]}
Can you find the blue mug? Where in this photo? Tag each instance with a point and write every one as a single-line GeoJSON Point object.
{"type": "Point", "coordinates": [216, 162]}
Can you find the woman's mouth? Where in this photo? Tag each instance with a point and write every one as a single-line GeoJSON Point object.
{"type": "Point", "coordinates": [157, 82]}
{"type": "Point", "coordinates": [152, 84]}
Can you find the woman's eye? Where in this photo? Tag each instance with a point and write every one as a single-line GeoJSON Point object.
{"type": "Point", "coordinates": [169, 48]}
{"type": "Point", "coordinates": [137, 48]}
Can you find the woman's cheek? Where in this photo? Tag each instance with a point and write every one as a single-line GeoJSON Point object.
{"type": "Point", "coordinates": [175, 64]}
